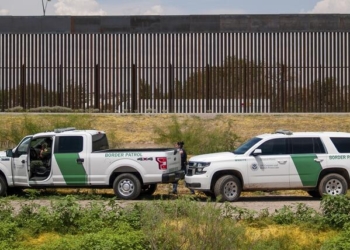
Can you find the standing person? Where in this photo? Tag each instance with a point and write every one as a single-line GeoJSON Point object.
{"type": "Point", "coordinates": [180, 146]}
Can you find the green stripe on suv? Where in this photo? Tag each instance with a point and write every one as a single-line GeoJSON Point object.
{"type": "Point", "coordinates": [308, 169]}
{"type": "Point", "coordinates": [73, 173]}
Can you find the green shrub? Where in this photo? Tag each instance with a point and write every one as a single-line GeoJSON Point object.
{"type": "Point", "coordinates": [5, 211]}
{"type": "Point", "coordinates": [106, 239]}
{"type": "Point", "coordinates": [238, 213]}
{"type": "Point", "coordinates": [66, 214]}
{"type": "Point", "coordinates": [186, 224]}
{"type": "Point", "coordinates": [336, 210]}
{"type": "Point", "coordinates": [285, 215]}
{"type": "Point", "coordinates": [47, 109]}
{"type": "Point", "coordinates": [341, 241]}
{"type": "Point", "coordinates": [8, 231]}
{"type": "Point", "coordinates": [15, 109]}
{"type": "Point", "coordinates": [300, 214]}
{"type": "Point", "coordinates": [199, 138]}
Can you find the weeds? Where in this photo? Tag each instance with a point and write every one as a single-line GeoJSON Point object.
{"type": "Point", "coordinates": [162, 224]}
{"type": "Point", "coordinates": [199, 138]}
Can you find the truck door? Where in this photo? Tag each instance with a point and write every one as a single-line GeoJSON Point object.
{"type": "Point", "coordinates": [20, 165]}
{"type": "Point", "coordinates": [70, 160]}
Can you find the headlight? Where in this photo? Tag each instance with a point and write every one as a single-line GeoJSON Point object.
{"type": "Point", "coordinates": [199, 167]}
{"type": "Point", "coordinates": [198, 164]}
{"type": "Point", "coordinates": [203, 164]}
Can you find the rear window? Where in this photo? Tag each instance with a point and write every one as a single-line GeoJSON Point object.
{"type": "Point", "coordinates": [342, 144]}
{"type": "Point", "coordinates": [99, 142]}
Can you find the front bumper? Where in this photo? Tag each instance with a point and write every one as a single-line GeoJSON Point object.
{"type": "Point", "coordinates": [173, 177]}
{"type": "Point", "coordinates": [198, 182]}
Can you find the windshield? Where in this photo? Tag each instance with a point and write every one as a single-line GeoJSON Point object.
{"type": "Point", "coordinates": [246, 146]}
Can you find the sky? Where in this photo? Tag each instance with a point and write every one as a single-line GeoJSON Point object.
{"type": "Point", "coordinates": [169, 7]}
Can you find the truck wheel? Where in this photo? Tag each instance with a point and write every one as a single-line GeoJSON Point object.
{"type": "Point", "coordinates": [228, 188]}
{"type": "Point", "coordinates": [333, 184]}
{"type": "Point", "coordinates": [127, 186]}
{"type": "Point", "coordinates": [3, 186]}
{"type": "Point", "coordinates": [148, 189]}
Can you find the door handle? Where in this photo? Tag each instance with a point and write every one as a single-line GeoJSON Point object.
{"type": "Point", "coordinates": [80, 160]}
{"type": "Point", "coordinates": [23, 161]}
{"type": "Point", "coordinates": [318, 160]}
{"type": "Point", "coordinates": [282, 162]}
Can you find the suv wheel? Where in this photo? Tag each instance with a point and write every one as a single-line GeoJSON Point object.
{"type": "Point", "coordinates": [333, 184]}
{"type": "Point", "coordinates": [228, 188]}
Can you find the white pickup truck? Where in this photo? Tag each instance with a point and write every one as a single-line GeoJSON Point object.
{"type": "Point", "coordinates": [81, 158]}
{"type": "Point", "coordinates": [317, 162]}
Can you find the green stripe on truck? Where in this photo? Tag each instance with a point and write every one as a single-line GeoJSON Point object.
{"type": "Point", "coordinates": [308, 169]}
{"type": "Point", "coordinates": [73, 173]}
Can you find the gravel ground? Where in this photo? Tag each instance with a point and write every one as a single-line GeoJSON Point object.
{"type": "Point", "coordinates": [271, 203]}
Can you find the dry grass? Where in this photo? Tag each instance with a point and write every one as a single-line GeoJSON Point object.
{"type": "Point", "coordinates": [138, 130]}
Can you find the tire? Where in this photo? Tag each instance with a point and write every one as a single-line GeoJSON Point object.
{"type": "Point", "coordinates": [127, 186]}
{"type": "Point", "coordinates": [3, 186]}
{"type": "Point", "coordinates": [149, 189]}
{"type": "Point", "coordinates": [333, 184]}
{"type": "Point", "coordinates": [314, 193]}
{"type": "Point", "coordinates": [228, 188]}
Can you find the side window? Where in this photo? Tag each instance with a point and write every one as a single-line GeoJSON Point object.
{"type": "Point", "coordinates": [341, 144]}
{"type": "Point", "coordinates": [274, 147]}
{"type": "Point", "coordinates": [99, 142]}
{"type": "Point", "coordinates": [306, 146]}
{"type": "Point", "coordinates": [319, 148]}
{"type": "Point", "coordinates": [69, 144]}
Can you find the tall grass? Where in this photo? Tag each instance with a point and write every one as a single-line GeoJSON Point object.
{"type": "Point", "coordinates": [199, 137]}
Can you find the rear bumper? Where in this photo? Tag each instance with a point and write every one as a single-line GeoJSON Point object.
{"type": "Point", "coordinates": [173, 177]}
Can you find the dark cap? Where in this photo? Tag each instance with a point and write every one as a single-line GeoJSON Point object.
{"type": "Point", "coordinates": [180, 143]}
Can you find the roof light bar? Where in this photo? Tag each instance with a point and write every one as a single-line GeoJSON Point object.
{"type": "Point", "coordinates": [60, 130]}
{"type": "Point", "coordinates": [285, 132]}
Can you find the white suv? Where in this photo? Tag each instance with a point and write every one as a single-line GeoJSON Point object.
{"type": "Point", "coordinates": [317, 162]}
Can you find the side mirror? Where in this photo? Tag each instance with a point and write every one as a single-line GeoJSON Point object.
{"type": "Point", "coordinates": [257, 152]}
{"type": "Point", "coordinates": [9, 153]}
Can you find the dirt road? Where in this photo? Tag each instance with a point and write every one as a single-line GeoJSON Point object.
{"type": "Point", "coordinates": [271, 202]}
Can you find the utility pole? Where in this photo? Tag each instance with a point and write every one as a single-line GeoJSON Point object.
{"type": "Point", "coordinates": [44, 5]}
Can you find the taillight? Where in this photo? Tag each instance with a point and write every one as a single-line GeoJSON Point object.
{"type": "Point", "coordinates": [162, 163]}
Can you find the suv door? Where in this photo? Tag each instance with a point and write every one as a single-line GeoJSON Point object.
{"type": "Point", "coordinates": [308, 156]}
{"type": "Point", "coordinates": [270, 168]}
